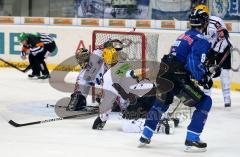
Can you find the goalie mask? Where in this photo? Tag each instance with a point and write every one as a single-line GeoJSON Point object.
{"type": "Point", "coordinates": [110, 56]}
{"type": "Point", "coordinates": [82, 56]}
{"type": "Point", "coordinates": [108, 44]}
{"type": "Point", "coordinates": [117, 44]}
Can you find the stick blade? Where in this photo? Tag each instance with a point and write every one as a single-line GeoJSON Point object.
{"type": "Point", "coordinates": [11, 122]}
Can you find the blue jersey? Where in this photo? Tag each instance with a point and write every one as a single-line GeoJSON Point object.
{"type": "Point", "coordinates": [191, 49]}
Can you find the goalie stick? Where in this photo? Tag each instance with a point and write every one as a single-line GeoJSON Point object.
{"type": "Point", "coordinates": [14, 66]}
{"type": "Point", "coordinates": [83, 115]}
{"type": "Point", "coordinates": [87, 107]}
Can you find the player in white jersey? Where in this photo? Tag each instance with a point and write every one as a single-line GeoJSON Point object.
{"type": "Point", "coordinates": [92, 70]}
{"type": "Point", "coordinates": [120, 81]}
{"type": "Point", "coordinates": [218, 36]}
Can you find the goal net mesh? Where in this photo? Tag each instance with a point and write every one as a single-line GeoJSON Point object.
{"type": "Point", "coordinates": [138, 46]}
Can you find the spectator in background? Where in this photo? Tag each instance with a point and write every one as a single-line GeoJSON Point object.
{"type": "Point", "coordinates": [197, 2]}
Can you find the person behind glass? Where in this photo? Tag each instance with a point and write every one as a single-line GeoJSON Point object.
{"type": "Point", "coordinates": [37, 47]}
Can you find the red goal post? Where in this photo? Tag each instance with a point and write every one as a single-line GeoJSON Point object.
{"type": "Point", "coordinates": [139, 46]}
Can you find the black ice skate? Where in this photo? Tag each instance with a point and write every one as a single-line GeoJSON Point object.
{"type": "Point", "coordinates": [143, 141]}
{"type": "Point", "coordinates": [44, 77]}
{"type": "Point", "coordinates": [33, 75]}
{"type": "Point", "coordinates": [195, 146]}
{"type": "Point", "coordinates": [227, 104]}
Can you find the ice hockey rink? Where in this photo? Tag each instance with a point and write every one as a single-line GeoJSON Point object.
{"type": "Point", "coordinates": [24, 100]}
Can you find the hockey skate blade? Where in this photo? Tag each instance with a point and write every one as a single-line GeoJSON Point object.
{"type": "Point", "coordinates": [192, 149]}
{"type": "Point", "coordinates": [142, 145]}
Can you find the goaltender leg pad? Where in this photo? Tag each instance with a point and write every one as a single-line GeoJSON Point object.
{"type": "Point", "coordinates": [77, 102]}
{"type": "Point", "coordinates": [87, 112]}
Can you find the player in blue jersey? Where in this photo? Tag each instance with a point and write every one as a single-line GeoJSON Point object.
{"type": "Point", "coordinates": [185, 62]}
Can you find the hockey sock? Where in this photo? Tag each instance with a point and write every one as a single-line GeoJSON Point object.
{"type": "Point", "coordinates": [147, 132]}
{"type": "Point", "coordinates": [192, 136]}
{"type": "Point", "coordinates": [153, 118]}
{"type": "Point", "coordinates": [200, 115]}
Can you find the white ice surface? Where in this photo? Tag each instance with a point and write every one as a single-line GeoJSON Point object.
{"type": "Point", "coordinates": [24, 100]}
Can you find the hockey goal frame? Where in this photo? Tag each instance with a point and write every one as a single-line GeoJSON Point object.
{"type": "Point", "coordinates": [132, 33]}
{"type": "Point", "coordinates": [143, 39]}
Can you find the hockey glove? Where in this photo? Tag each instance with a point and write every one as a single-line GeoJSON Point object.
{"type": "Point", "coordinates": [210, 58]}
{"type": "Point", "coordinates": [206, 82]}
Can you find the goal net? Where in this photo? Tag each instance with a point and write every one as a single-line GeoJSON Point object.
{"type": "Point", "coordinates": [138, 45]}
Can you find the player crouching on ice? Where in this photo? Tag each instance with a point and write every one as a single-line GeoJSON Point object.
{"type": "Point", "coordinates": [185, 62]}
{"type": "Point", "coordinates": [37, 47]}
{"type": "Point", "coordinates": [91, 73]}
{"type": "Point", "coordinates": [120, 81]}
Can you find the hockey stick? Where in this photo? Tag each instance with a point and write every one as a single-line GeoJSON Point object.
{"type": "Point", "coordinates": [15, 124]}
{"type": "Point", "coordinates": [87, 107]}
{"type": "Point", "coordinates": [174, 110]}
{"type": "Point", "coordinates": [14, 66]}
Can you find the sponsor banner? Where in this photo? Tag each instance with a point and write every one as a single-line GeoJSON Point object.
{"type": "Point", "coordinates": [169, 9]}
{"type": "Point", "coordinates": [143, 23]}
{"type": "Point", "coordinates": [116, 23]}
{"type": "Point", "coordinates": [120, 9]}
{"type": "Point", "coordinates": [6, 20]}
{"type": "Point", "coordinates": [63, 21]}
{"type": "Point", "coordinates": [168, 24]}
{"type": "Point", "coordinates": [34, 20]}
{"type": "Point", "coordinates": [90, 22]}
{"type": "Point", "coordinates": [226, 9]}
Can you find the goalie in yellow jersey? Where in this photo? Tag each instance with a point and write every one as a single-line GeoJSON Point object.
{"type": "Point", "coordinates": [120, 81]}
